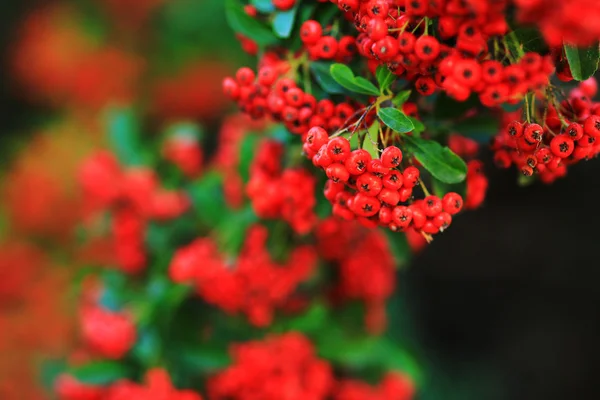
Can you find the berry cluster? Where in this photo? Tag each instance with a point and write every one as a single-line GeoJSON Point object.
{"type": "Point", "coordinates": [376, 191]}
{"type": "Point", "coordinates": [287, 194]}
{"type": "Point", "coordinates": [270, 94]}
{"type": "Point", "coordinates": [324, 47]}
{"type": "Point", "coordinates": [278, 367]}
{"type": "Point", "coordinates": [567, 133]}
{"type": "Point", "coordinates": [134, 197]}
{"type": "Point", "coordinates": [253, 283]}
{"type": "Point", "coordinates": [393, 386]}
{"type": "Point", "coordinates": [572, 22]}
{"type": "Point", "coordinates": [365, 263]}
{"type": "Point", "coordinates": [158, 387]}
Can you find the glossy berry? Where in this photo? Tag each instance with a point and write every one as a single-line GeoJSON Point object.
{"type": "Point", "coordinates": [338, 149]}
{"type": "Point", "coordinates": [391, 157]}
{"type": "Point", "coordinates": [337, 172]}
{"type": "Point", "coordinates": [515, 129]}
{"type": "Point", "coordinates": [452, 203]}
{"type": "Point", "coordinates": [427, 48]}
{"type": "Point", "coordinates": [562, 146]}
{"type": "Point", "coordinates": [310, 32]}
{"type": "Point", "coordinates": [533, 133]}
{"type": "Point", "coordinates": [432, 206]}
{"type": "Point", "coordinates": [369, 184]}
{"type": "Point", "coordinates": [358, 161]}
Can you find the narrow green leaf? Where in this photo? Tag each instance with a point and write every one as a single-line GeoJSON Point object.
{"type": "Point", "coordinates": [208, 199]}
{"type": "Point", "coordinates": [100, 372]}
{"type": "Point", "coordinates": [323, 77]}
{"type": "Point", "coordinates": [124, 135]}
{"type": "Point", "coordinates": [395, 119]}
{"type": "Point", "coordinates": [514, 45]}
{"type": "Point", "coordinates": [440, 161]}
{"type": "Point", "coordinates": [242, 23]}
{"type": "Point", "coordinates": [246, 156]}
{"type": "Point", "coordinates": [583, 61]}
{"type": "Point", "coordinates": [384, 77]}
{"type": "Point", "coordinates": [283, 23]}
{"type": "Point", "coordinates": [401, 98]}
{"type": "Point", "coordinates": [370, 140]}
{"type": "Point", "coordinates": [343, 75]}
{"type": "Point", "coordinates": [419, 127]}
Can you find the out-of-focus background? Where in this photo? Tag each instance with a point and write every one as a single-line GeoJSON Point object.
{"type": "Point", "coordinates": [506, 304]}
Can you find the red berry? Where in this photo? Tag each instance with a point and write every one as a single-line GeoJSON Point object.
{"type": "Point", "coordinates": [425, 85]}
{"type": "Point", "coordinates": [310, 32]}
{"type": "Point", "coordinates": [267, 76]}
{"type": "Point", "coordinates": [442, 220]}
{"type": "Point", "coordinates": [452, 203]}
{"type": "Point", "coordinates": [533, 133]}
{"type": "Point", "coordinates": [391, 157]}
{"type": "Point", "coordinates": [389, 196]}
{"type": "Point", "coordinates": [562, 146]}
{"type": "Point", "coordinates": [316, 138]}
{"type": "Point", "coordinates": [365, 206]}
{"type": "Point", "coordinates": [358, 161]}
{"type": "Point", "coordinates": [284, 5]}
{"type": "Point", "coordinates": [543, 155]}
{"type": "Point", "coordinates": [592, 126]}
{"type": "Point", "coordinates": [245, 76]}
{"type": "Point", "coordinates": [377, 29]}
{"type": "Point", "coordinates": [427, 48]}
{"type": "Point", "coordinates": [411, 176]}
{"type": "Point", "coordinates": [338, 149]}
{"type": "Point", "coordinates": [515, 129]}
{"type": "Point", "coordinates": [393, 180]}
{"type": "Point", "coordinates": [369, 184]}
{"type": "Point", "coordinates": [432, 206]}
{"type": "Point", "coordinates": [231, 88]}
{"type": "Point", "coordinates": [402, 216]}
{"type": "Point", "coordinates": [575, 131]}
{"type": "Point", "coordinates": [406, 42]}
{"type": "Point", "coordinates": [337, 172]}
{"type": "Point", "coordinates": [467, 72]}
{"type": "Point", "coordinates": [327, 47]}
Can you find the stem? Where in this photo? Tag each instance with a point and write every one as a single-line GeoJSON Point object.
{"type": "Point", "coordinates": [424, 188]}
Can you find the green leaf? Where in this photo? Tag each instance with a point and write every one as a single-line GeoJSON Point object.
{"type": "Point", "coordinates": [124, 135]}
{"type": "Point", "coordinates": [583, 61]}
{"type": "Point", "coordinates": [395, 119]}
{"type": "Point", "coordinates": [208, 199]}
{"type": "Point", "coordinates": [247, 147]}
{"type": "Point", "coordinates": [264, 6]}
{"type": "Point", "coordinates": [399, 248]}
{"type": "Point", "coordinates": [100, 372]}
{"type": "Point", "coordinates": [323, 77]}
{"type": "Point", "coordinates": [242, 23]}
{"type": "Point", "coordinates": [343, 75]}
{"type": "Point", "coordinates": [231, 232]}
{"type": "Point", "coordinates": [50, 370]}
{"type": "Point", "coordinates": [401, 98]}
{"type": "Point", "coordinates": [370, 140]}
{"type": "Point", "coordinates": [419, 127]}
{"type": "Point", "coordinates": [384, 77]}
{"type": "Point", "coordinates": [283, 23]}
{"type": "Point", "coordinates": [514, 45]}
{"type": "Point", "coordinates": [448, 108]}
{"type": "Point", "coordinates": [440, 161]}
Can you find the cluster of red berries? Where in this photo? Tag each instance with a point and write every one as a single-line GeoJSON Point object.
{"type": "Point", "coordinates": [271, 95]}
{"type": "Point", "coordinates": [568, 134]}
{"type": "Point", "coordinates": [393, 386]}
{"type": "Point", "coordinates": [373, 190]}
{"type": "Point", "coordinates": [279, 367]}
{"type": "Point", "coordinates": [109, 334]}
{"type": "Point", "coordinates": [287, 194]}
{"type": "Point", "coordinates": [365, 263]}
{"type": "Point", "coordinates": [324, 47]}
{"type": "Point", "coordinates": [572, 22]}
{"type": "Point", "coordinates": [477, 184]}
{"type": "Point", "coordinates": [134, 197]}
{"type": "Point", "coordinates": [254, 284]}
{"type": "Point", "coordinates": [158, 387]}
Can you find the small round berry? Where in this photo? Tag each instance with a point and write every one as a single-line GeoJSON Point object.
{"type": "Point", "coordinates": [467, 72]}
{"type": "Point", "coordinates": [586, 141]}
{"type": "Point", "coordinates": [245, 76]}
{"type": "Point", "coordinates": [406, 42]}
{"type": "Point", "coordinates": [427, 48]}
{"type": "Point", "coordinates": [338, 148]}
{"type": "Point", "coordinates": [429, 227]}
{"type": "Point", "coordinates": [425, 85]}
{"type": "Point", "coordinates": [575, 131]}
{"type": "Point", "coordinates": [591, 126]}
{"type": "Point", "coordinates": [562, 146]}
{"type": "Point", "coordinates": [492, 71]}
{"type": "Point", "coordinates": [543, 155]}
{"type": "Point", "coordinates": [327, 47]}
{"type": "Point", "coordinates": [515, 129]}
{"type": "Point", "coordinates": [310, 32]}
{"type": "Point", "coordinates": [391, 157]}
{"type": "Point", "coordinates": [411, 176]}
{"type": "Point", "coordinates": [385, 215]}
{"type": "Point", "coordinates": [316, 138]}
{"type": "Point", "coordinates": [377, 29]}
{"type": "Point", "coordinates": [526, 170]}
{"type": "Point", "coordinates": [376, 167]}
{"type": "Point", "coordinates": [369, 184]}
{"type": "Point", "coordinates": [358, 161]}
{"type": "Point", "coordinates": [332, 189]}
{"type": "Point", "coordinates": [405, 194]}
{"type": "Point", "coordinates": [283, 85]}
{"type": "Point", "coordinates": [402, 216]}
{"type": "Point", "coordinates": [294, 97]}
{"type": "Point", "coordinates": [533, 133]}
{"type": "Point", "coordinates": [442, 220]}
{"type": "Point", "coordinates": [418, 216]}
{"type": "Point", "coordinates": [385, 49]}
{"type": "Point", "coordinates": [231, 88]}
{"type": "Point", "coordinates": [432, 206]}
{"type": "Point", "coordinates": [365, 206]}
{"type": "Point", "coordinates": [377, 8]}
{"type": "Point", "coordinates": [267, 76]}
{"type": "Point", "coordinates": [337, 172]}
{"type": "Point", "coordinates": [452, 203]}
{"type": "Point", "coordinates": [389, 196]}
{"type": "Point", "coordinates": [393, 180]}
